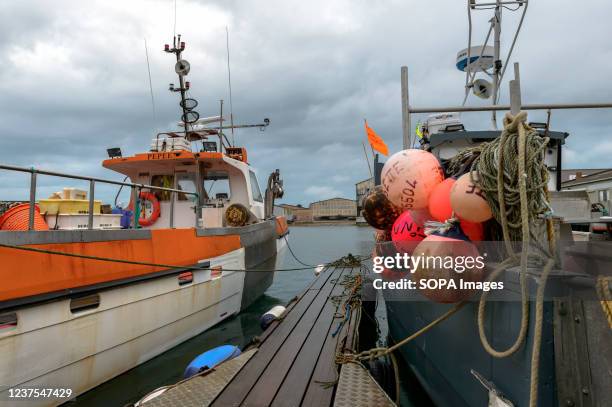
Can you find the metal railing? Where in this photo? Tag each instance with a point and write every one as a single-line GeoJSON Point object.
{"type": "Point", "coordinates": [136, 188]}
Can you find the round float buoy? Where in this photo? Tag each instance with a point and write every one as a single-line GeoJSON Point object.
{"type": "Point", "coordinates": [378, 211]}
{"type": "Point", "coordinates": [272, 315]}
{"type": "Point", "coordinates": [473, 230]}
{"type": "Point", "coordinates": [410, 226]}
{"type": "Point", "coordinates": [468, 201]}
{"type": "Point", "coordinates": [210, 359]}
{"type": "Point", "coordinates": [439, 201]}
{"type": "Point", "coordinates": [409, 176]}
{"type": "Point", "coordinates": [443, 265]}
{"type": "Point", "coordinates": [155, 212]}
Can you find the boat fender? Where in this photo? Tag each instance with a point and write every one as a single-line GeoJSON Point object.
{"type": "Point", "coordinates": [151, 219]}
{"type": "Point", "coordinates": [272, 315]}
{"type": "Point", "coordinates": [210, 359]}
{"type": "Point", "coordinates": [126, 216]}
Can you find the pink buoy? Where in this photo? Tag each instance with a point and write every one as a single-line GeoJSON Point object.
{"type": "Point", "coordinates": [409, 176]}
{"type": "Point", "coordinates": [409, 226]}
{"type": "Point", "coordinates": [468, 201]}
{"type": "Point", "coordinates": [444, 259]}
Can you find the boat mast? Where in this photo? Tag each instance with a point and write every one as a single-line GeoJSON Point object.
{"type": "Point", "coordinates": [181, 68]}
{"type": "Point", "coordinates": [497, 63]}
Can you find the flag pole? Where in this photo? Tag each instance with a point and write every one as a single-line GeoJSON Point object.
{"type": "Point", "coordinates": [365, 122]}
{"type": "Point", "coordinates": [364, 148]}
{"type": "Point", "coordinates": [366, 157]}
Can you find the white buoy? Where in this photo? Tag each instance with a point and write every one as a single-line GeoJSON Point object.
{"type": "Point", "coordinates": [272, 315]}
{"type": "Point", "coordinates": [319, 269]}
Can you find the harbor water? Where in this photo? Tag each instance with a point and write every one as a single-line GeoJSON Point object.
{"type": "Point", "coordinates": [310, 244]}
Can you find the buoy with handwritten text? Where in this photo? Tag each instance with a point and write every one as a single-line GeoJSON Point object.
{"type": "Point", "coordinates": [468, 201]}
{"type": "Point", "coordinates": [409, 177]}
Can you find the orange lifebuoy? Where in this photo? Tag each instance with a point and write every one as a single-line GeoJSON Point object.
{"type": "Point", "coordinates": [151, 219]}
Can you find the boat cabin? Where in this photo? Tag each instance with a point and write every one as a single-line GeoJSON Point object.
{"type": "Point", "coordinates": [219, 178]}
{"type": "Point", "coordinates": [446, 136]}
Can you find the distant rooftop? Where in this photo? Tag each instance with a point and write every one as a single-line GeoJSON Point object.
{"type": "Point", "coordinates": [584, 176]}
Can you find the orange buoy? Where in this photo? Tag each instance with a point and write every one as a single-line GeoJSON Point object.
{"type": "Point", "coordinates": [468, 201]}
{"type": "Point", "coordinates": [439, 201]}
{"type": "Point", "coordinates": [444, 267]}
{"type": "Point", "coordinates": [473, 230]}
{"type": "Point", "coordinates": [409, 176]}
{"type": "Point", "coordinates": [18, 217]}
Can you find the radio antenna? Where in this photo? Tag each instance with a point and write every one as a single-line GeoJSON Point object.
{"type": "Point", "coordinates": [174, 33]}
{"type": "Point", "coordinates": [229, 80]}
{"type": "Point", "coordinates": [151, 86]}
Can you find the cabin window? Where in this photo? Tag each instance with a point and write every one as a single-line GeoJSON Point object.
{"type": "Point", "coordinates": [85, 303]}
{"type": "Point", "coordinates": [255, 188]}
{"type": "Point", "coordinates": [185, 182]}
{"type": "Point", "coordinates": [164, 181]}
{"type": "Point", "coordinates": [216, 185]}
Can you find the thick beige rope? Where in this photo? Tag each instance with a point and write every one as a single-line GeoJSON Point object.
{"type": "Point", "coordinates": [533, 201]}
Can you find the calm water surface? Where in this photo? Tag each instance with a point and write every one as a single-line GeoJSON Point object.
{"type": "Point", "coordinates": [311, 244]}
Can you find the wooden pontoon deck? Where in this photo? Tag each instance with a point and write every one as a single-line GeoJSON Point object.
{"type": "Point", "coordinates": [294, 362]}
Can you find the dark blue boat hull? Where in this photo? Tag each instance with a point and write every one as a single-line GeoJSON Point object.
{"type": "Point", "coordinates": [443, 357]}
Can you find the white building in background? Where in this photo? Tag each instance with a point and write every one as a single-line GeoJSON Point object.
{"type": "Point", "coordinates": [597, 184]}
{"type": "Point", "coordinates": [334, 208]}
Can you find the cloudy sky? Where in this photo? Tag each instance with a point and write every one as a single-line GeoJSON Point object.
{"type": "Point", "coordinates": [73, 79]}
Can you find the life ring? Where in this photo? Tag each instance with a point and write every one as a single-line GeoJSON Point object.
{"type": "Point", "coordinates": [151, 219]}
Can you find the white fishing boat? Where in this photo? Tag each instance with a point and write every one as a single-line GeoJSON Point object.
{"type": "Point", "coordinates": [86, 295]}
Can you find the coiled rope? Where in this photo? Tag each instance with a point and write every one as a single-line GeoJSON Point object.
{"type": "Point", "coordinates": [513, 177]}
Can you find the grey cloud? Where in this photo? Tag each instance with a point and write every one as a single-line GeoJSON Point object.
{"type": "Point", "coordinates": [315, 68]}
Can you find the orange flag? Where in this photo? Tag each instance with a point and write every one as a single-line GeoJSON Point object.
{"type": "Point", "coordinates": [376, 141]}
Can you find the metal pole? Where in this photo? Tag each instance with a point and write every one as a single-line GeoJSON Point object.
{"type": "Point", "coordinates": [515, 91]}
{"type": "Point", "coordinates": [135, 201]}
{"type": "Point", "coordinates": [172, 197]}
{"type": "Point", "coordinates": [32, 200]}
{"type": "Point", "coordinates": [90, 214]}
{"type": "Point", "coordinates": [221, 125]}
{"type": "Point", "coordinates": [541, 106]}
{"type": "Point", "coordinates": [496, 58]}
{"type": "Point", "coordinates": [405, 109]}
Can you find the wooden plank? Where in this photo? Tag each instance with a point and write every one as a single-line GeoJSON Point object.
{"type": "Point", "coordinates": [326, 370]}
{"type": "Point", "coordinates": [319, 282]}
{"type": "Point", "coordinates": [236, 391]}
{"type": "Point", "coordinates": [351, 333]}
{"type": "Point", "coordinates": [296, 382]}
{"type": "Point", "coordinates": [271, 379]}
